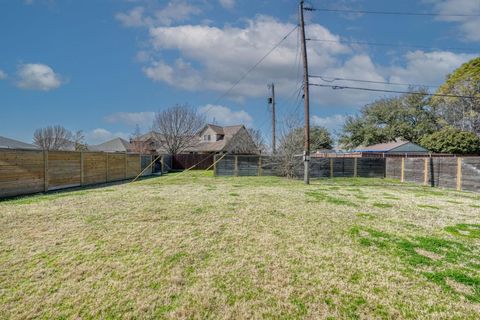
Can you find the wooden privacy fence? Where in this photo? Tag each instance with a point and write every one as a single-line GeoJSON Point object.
{"type": "Point", "coordinates": [456, 173]}
{"type": "Point", "coordinates": [239, 165]}
{"type": "Point", "coordinates": [186, 161]}
{"type": "Point", "coordinates": [32, 171]}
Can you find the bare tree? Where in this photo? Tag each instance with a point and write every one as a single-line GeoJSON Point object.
{"type": "Point", "coordinates": [258, 139]}
{"type": "Point", "coordinates": [178, 127]}
{"type": "Point", "coordinates": [53, 138]}
{"type": "Point", "coordinates": [290, 147]}
{"type": "Point", "coordinates": [78, 138]}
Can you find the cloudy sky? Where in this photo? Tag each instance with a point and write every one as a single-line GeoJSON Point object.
{"type": "Point", "coordinates": [103, 66]}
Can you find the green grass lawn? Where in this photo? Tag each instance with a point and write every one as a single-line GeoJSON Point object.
{"type": "Point", "coordinates": [199, 247]}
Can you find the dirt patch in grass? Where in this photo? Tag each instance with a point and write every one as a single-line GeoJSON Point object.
{"type": "Point", "coordinates": [382, 205]}
{"type": "Point", "coordinates": [428, 206]}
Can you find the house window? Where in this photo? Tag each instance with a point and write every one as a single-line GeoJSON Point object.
{"type": "Point", "coordinates": [209, 137]}
{"type": "Point", "coordinates": [205, 137]}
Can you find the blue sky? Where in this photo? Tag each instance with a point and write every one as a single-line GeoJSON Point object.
{"type": "Point", "coordinates": [103, 66]}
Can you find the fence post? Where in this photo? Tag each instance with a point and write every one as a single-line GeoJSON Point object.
{"type": "Point", "coordinates": [425, 172]}
{"type": "Point", "coordinates": [331, 167]}
{"type": "Point", "coordinates": [215, 165]}
{"type": "Point", "coordinates": [355, 168]}
{"type": "Point", "coordinates": [459, 174]}
{"type": "Point", "coordinates": [82, 172]}
{"type": "Point", "coordinates": [260, 173]}
{"type": "Point", "coordinates": [139, 164]}
{"type": "Point", "coordinates": [235, 169]}
{"type": "Point", "coordinates": [45, 169]}
{"type": "Point", "coordinates": [106, 166]}
{"type": "Point", "coordinates": [126, 165]}
{"type": "Point", "coordinates": [402, 176]}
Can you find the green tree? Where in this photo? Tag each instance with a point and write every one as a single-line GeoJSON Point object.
{"type": "Point", "coordinates": [462, 113]}
{"type": "Point", "coordinates": [409, 116]}
{"type": "Point", "coordinates": [451, 140]}
{"type": "Point", "coordinates": [291, 145]}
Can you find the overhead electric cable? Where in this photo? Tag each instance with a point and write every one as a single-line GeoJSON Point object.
{"type": "Point", "coordinates": [333, 79]}
{"type": "Point", "coordinates": [383, 44]}
{"type": "Point", "coordinates": [396, 13]}
{"type": "Point", "coordinates": [392, 91]}
{"type": "Point", "coordinates": [255, 65]}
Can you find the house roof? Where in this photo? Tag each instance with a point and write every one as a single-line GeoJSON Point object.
{"type": "Point", "coordinates": [232, 130]}
{"type": "Point", "coordinates": [15, 144]}
{"type": "Point", "coordinates": [397, 145]}
{"type": "Point", "coordinates": [115, 145]}
{"type": "Point", "coordinates": [215, 128]}
{"type": "Point", "coordinates": [149, 135]}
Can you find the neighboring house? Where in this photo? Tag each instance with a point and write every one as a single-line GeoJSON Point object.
{"type": "Point", "coordinates": [115, 145]}
{"type": "Point", "coordinates": [211, 139]}
{"type": "Point", "coordinates": [399, 146]}
{"type": "Point", "coordinates": [150, 142]}
{"type": "Point", "coordinates": [8, 143]}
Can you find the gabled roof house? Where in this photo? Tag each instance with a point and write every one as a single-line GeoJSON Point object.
{"type": "Point", "coordinates": [211, 139]}
{"type": "Point", "coordinates": [399, 146]}
{"type": "Point", "coordinates": [8, 143]}
{"type": "Point", "coordinates": [114, 145]}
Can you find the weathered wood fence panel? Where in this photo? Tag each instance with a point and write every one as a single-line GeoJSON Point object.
{"type": "Point", "coordinates": [32, 171]}
{"type": "Point", "coordinates": [94, 168]}
{"type": "Point", "coordinates": [187, 161]}
{"type": "Point", "coordinates": [470, 174]}
{"type": "Point", "coordinates": [21, 171]}
{"type": "Point", "coordinates": [133, 165]}
{"type": "Point", "coordinates": [116, 167]}
{"type": "Point", "coordinates": [461, 173]}
{"type": "Point", "coordinates": [239, 165]}
{"type": "Point", "coordinates": [64, 170]}
{"type": "Point", "coordinates": [394, 169]}
{"type": "Point", "coordinates": [370, 167]}
{"type": "Point", "coordinates": [414, 170]}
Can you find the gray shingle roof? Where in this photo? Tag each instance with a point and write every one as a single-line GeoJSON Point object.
{"type": "Point", "coordinates": [15, 144]}
{"type": "Point", "coordinates": [115, 145]}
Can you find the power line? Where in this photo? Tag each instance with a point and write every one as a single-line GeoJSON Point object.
{"type": "Point", "coordinates": [333, 79]}
{"type": "Point", "coordinates": [255, 65]}
{"type": "Point", "coordinates": [396, 13]}
{"type": "Point", "coordinates": [383, 44]}
{"type": "Point", "coordinates": [392, 91]}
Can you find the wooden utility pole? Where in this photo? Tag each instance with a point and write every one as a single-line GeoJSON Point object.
{"type": "Point", "coordinates": [272, 102]}
{"type": "Point", "coordinates": [306, 98]}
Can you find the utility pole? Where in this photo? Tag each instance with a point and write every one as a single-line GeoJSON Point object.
{"type": "Point", "coordinates": [272, 102]}
{"type": "Point", "coordinates": [306, 98]}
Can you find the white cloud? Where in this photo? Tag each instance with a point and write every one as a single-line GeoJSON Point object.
{"type": "Point", "coordinates": [3, 75]}
{"type": "Point", "coordinates": [143, 119]}
{"type": "Point", "coordinates": [333, 123]}
{"type": "Point", "coordinates": [468, 25]}
{"type": "Point", "coordinates": [212, 58]}
{"type": "Point", "coordinates": [133, 18]}
{"type": "Point", "coordinates": [38, 77]}
{"type": "Point", "coordinates": [173, 11]}
{"type": "Point", "coordinates": [101, 135]}
{"type": "Point", "coordinates": [428, 67]}
{"type": "Point", "coordinates": [227, 4]}
{"type": "Point", "coordinates": [225, 116]}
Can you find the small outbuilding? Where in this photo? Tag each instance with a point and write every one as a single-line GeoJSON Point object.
{"type": "Point", "coordinates": [397, 147]}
